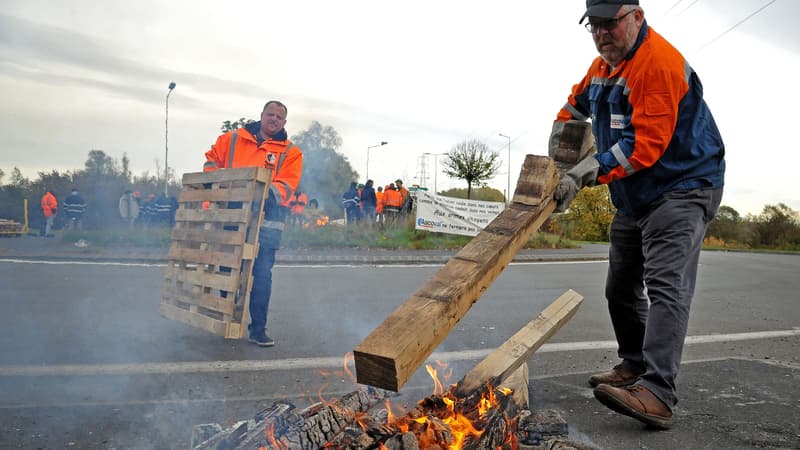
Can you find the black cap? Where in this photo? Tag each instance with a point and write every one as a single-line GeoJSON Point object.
{"type": "Point", "coordinates": [605, 8]}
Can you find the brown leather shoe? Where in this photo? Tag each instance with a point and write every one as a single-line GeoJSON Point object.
{"type": "Point", "coordinates": [618, 376]}
{"type": "Point", "coordinates": [637, 402]}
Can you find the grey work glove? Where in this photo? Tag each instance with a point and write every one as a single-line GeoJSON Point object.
{"type": "Point", "coordinates": [582, 175]}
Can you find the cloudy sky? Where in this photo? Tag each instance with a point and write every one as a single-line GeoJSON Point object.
{"type": "Point", "coordinates": [421, 75]}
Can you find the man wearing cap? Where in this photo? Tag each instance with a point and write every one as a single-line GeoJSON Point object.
{"type": "Point", "coordinates": [662, 156]}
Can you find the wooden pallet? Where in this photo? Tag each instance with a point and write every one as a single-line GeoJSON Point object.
{"type": "Point", "coordinates": [214, 244]}
{"type": "Point", "coordinates": [11, 228]}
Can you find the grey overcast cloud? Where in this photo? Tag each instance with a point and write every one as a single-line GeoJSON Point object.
{"type": "Point", "coordinates": [423, 76]}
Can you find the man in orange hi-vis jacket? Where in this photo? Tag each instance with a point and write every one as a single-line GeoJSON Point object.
{"type": "Point", "coordinates": [263, 144]}
{"type": "Point", "coordinates": [49, 211]}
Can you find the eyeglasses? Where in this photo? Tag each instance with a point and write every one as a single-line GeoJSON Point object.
{"type": "Point", "coordinates": [607, 25]}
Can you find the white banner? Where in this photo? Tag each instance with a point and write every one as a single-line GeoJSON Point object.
{"type": "Point", "coordinates": [454, 215]}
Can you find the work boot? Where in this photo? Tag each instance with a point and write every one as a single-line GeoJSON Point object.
{"type": "Point", "coordinates": [618, 376]}
{"type": "Point", "coordinates": [261, 340]}
{"type": "Point", "coordinates": [635, 401]}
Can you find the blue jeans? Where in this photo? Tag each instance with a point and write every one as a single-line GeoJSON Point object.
{"type": "Point", "coordinates": [651, 279]}
{"type": "Point", "coordinates": [262, 287]}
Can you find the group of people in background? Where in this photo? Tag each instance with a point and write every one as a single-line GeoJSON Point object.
{"type": "Point", "coordinates": [74, 207]}
{"type": "Point", "coordinates": [152, 210]}
{"type": "Point", "coordinates": [364, 204]}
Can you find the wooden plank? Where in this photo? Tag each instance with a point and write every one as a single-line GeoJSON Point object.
{"type": "Point", "coordinates": [216, 258]}
{"type": "Point", "coordinates": [193, 319]}
{"type": "Point", "coordinates": [213, 302]}
{"type": "Point", "coordinates": [220, 281]}
{"type": "Point", "coordinates": [496, 367]}
{"type": "Point", "coordinates": [212, 215]}
{"type": "Point", "coordinates": [234, 194]}
{"type": "Point", "coordinates": [219, 236]}
{"type": "Point", "coordinates": [235, 330]}
{"type": "Point", "coordinates": [223, 175]}
{"type": "Point", "coordinates": [389, 355]}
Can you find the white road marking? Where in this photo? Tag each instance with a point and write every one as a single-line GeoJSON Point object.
{"type": "Point", "coordinates": [329, 362]}
{"type": "Point", "coordinates": [80, 263]}
{"type": "Point", "coordinates": [289, 263]}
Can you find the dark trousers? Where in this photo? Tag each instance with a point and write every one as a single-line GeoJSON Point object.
{"type": "Point", "coordinates": [262, 288]}
{"type": "Point", "coordinates": [651, 279]}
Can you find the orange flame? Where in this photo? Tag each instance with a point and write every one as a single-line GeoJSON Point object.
{"type": "Point", "coordinates": [438, 389]}
{"type": "Point", "coordinates": [348, 358]}
{"type": "Point", "coordinates": [273, 442]}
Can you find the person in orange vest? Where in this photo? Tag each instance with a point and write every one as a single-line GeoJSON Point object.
{"type": "Point", "coordinates": [404, 194]}
{"type": "Point", "coordinates": [296, 206]}
{"type": "Point", "coordinates": [379, 204]}
{"type": "Point", "coordinates": [393, 201]}
{"type": "Point", "coordinates": [49, 211]}
{"type": "Point", "coordinates": [263, 144]}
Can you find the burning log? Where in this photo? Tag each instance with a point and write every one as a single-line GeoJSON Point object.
{"type": "Point", "coordinates": [280, 427]}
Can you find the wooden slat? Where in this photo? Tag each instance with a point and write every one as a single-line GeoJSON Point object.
{"type": "Point", "coordinates": [389, 355]}
{"type": "Point", "coordinates": [220, 176]}
{"type": "Point", "coordinates": [222, 282]}
{"type": "Point", "coordinates": [234, 330]}
{"type": "Point", "coordinates": [496, 367]}
{"type": "Point", "coordinates": [217, 258]}
{"type": "Point", "coordinates": [209, 301]}
{"type": "Point", "coordinates": [237, 194]}
{"type": "Point", "coordinates": [225, 237]}
{"type": "Point", "coordinates": [212, 215]}
{"type": "Point", "coordinates": [193, 319]}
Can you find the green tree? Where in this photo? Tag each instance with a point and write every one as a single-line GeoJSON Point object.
{"type": "Point", "coordinates": [18, 180]}
{"type": "Point", "coordinates": [235, 125]}
{"type": "Point", "coordinates": [99, 163]}
{"type": "Point", "coordinates": [589, 215]}
{"type": "Point", "coordinates": [2, 175]}
{"type": "Point", "coordinates": [778, 226]}
{"type": "Point", "coordinates": [326, 172]}
{"type": "Point", "coordinates": [472, 161]}
{"type": "Point", "coordinates": [728, 226]}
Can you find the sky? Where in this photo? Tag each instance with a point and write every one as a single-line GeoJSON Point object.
{"type": "Point", "coordinates": [421, 75]}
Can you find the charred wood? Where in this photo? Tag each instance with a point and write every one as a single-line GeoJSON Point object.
{"type": "Point", "coordinates": [282, 427]}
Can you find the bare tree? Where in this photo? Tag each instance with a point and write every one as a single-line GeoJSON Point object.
{"type": "Point", "coordinates": [471, 160]}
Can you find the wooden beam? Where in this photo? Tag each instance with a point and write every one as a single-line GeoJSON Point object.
{"type": "Point", "coordinates": [514, 352]}
{"type": "Point", "coordinates": [397, 347]}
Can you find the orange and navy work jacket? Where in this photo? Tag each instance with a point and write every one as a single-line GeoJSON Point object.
{"type": "Point", "coordinates": [653, 131]}
{"type": "Point", "coordinates": [240, 148]}
{"type": "Point", "coordinates": [49, 204]}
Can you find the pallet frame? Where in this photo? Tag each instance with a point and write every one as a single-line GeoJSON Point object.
{"type": "Point", "coordinates": [208, 278]}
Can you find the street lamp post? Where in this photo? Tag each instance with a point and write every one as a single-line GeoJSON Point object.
{"type": "Point", "coordinates": [368, 148]}
{"type": "Point", "coordinates": [166, 138]}
{"type": "Point", "coordinates": [508, 187]}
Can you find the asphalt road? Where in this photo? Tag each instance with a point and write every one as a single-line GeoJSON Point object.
{"type": "Point", "coordinates": [87, 362]}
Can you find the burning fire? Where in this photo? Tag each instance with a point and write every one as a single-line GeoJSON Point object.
{"type": "Point", "coordinates": [444, 425]}
{"type": "Point", "coordinates": [441, 421]}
